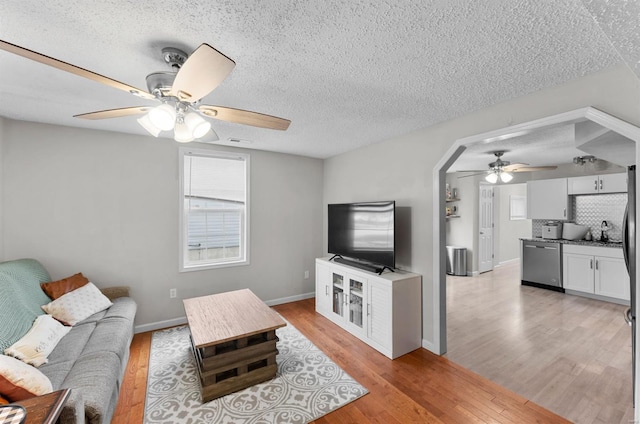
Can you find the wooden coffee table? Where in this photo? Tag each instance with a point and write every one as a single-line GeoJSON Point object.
{"type": "Point", "coordinates": [233, 336]}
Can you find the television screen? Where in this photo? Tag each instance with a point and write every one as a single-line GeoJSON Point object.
{"type": "Point", "coordinates": [363, 231]}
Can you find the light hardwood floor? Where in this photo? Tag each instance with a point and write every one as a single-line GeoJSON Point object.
{"type": "Point", "coordinates": [569, 354]}
{"type": "Point", "coordinates": [419, 387]}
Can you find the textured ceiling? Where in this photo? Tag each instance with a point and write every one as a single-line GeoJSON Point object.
{"type": "Point", "coordinates": [346, 73]}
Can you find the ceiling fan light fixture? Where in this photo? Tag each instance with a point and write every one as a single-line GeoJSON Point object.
{"type": "Point", "coordinates": [146, 123]}
{"type": "Point", "coordinates": [492, 178]}
{"type": "Point", "coordinates": [198, 126]}
{"type": "Point", "coordinates": [182, 133]}
{"type": "Point", "coordinates": [505, 177]}
{"type": "Point", "coordinates": [163, 116]}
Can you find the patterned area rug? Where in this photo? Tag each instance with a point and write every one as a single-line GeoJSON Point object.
{"type": "Point", "coordinates": [307, 386]}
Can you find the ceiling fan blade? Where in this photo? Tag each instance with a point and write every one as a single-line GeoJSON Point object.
{"type": "Point", "coordinates": [203, 71]}
{"type": "Point", "coordinates": [114, 113]}
{"type": "Point", "coordinates": [245, 117]}
{"type": "Point", "coordinates": [533, 168]}
{"type": "Point", "coordinates": [64, 66]}
{"type": "Point", "coordinates": [511, 166]}
{"type": "Point", "coordinates": [473, 175]}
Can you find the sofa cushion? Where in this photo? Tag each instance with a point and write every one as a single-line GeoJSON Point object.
{"type": "Point", "coordinates": [20, 298]}
{"type": "Point", "coordinates": [57, 372]}
{"type": "Point", "coordinates": [71, 346]}
{"type": "Point", "coordinates": [96, 376]}
{"type": "Point", "coordinates": [78, 305]}
{"type": "Point", "coordinates": [110, 335]}
{"type": "Point", "coordinates": [123, 307]}
{"type": "Point", "coordinates": [55, 289]}
{"type": "Point", "coordinates": [65, 354]}
{"type": "Point", "coordinates": [20, 381]}
{"type": "Point", "coordinates": [35, 346]}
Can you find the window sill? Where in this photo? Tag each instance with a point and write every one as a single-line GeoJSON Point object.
{"type": "Point", "coordinates": [205, 267]}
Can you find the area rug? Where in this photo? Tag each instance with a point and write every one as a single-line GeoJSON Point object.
{"type": "Point", "coordinates": [307, 386]}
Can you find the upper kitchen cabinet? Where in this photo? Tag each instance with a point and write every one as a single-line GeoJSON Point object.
{"type": "Point", "coordinates": [598, 184]}
{"type": "Point", "coordinates": [548, 199]}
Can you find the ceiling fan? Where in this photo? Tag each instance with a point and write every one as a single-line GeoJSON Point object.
{"type": "Point", "coordinates": [502, 169]}
{"type": "Point", "coordinates": [179, 92]}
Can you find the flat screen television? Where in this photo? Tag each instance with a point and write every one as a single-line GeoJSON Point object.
{"type": "Point", "coordinates": [364, 231]}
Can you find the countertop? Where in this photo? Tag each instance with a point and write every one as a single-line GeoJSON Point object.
{"type": "Point", "coordinates": [614, 244]}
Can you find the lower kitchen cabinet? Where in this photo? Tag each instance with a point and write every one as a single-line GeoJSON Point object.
{"type": "Point", "coordinates": [598, 271]}
{"type": "Point", "coordinates": [384, 311]}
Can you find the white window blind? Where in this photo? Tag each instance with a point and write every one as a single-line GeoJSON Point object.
{"type": "Point", "coordinates": [214, 197]}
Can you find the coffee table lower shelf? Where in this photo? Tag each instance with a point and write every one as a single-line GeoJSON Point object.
{"type": "Point", "coordinates": [236, 364]}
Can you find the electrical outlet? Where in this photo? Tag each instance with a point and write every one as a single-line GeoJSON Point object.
{"type": "Point", "coordinates": [173, 293]}
{"type": "Point", "coordinates": [306, 275]}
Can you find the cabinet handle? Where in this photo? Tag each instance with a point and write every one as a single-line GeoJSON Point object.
{"type": "Point", "coordinates": [368, 309]}
{"type": "Point", "coordinates": [591, 263]}
{"type": "Point", "coordinates": [326, 290]}
{"type": "Point", "coordinates": [595, 187]}
{"type": "Point", "coordinates": [596, 264]}
{"type": "Point", "coordinates": [600, 184]}
{"type": "Point", "coordinates": [564, 211]}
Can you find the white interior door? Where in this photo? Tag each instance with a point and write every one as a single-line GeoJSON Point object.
{"type": "Point", "coordinates": [485, 238]}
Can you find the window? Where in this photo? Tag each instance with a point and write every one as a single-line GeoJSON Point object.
{"type": "Point", "coordinates": [214, 190]}
{"type": "Point", "coordinates": [517, 207]}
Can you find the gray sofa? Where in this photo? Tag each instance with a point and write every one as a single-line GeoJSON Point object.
{"type": "Point", "coordinates": [90, 360]}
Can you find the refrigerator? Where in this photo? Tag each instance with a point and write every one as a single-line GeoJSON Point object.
{"type": "Point", "coordinates": [629, 249]}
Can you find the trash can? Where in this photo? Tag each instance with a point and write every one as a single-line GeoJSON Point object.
{"type": "Point", "coordinates": [456, 260]}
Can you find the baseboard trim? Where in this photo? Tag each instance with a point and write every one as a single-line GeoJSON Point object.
{"type": "Point", "coordinates": [290, 299]}
{"type": "Point", "coordinates": [508, 261]}
{"type": "Point", "coordinates": [429, 346]}
{"type": "Point", "coordinates": [160, 324]}
{"type": "Point", "coordinates": [153, 326]}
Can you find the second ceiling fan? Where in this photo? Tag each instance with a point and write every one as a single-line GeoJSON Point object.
{"type": "Point", "coordinates": [179, 92]}
{"type": "Point", "coordinates": [502, 169]}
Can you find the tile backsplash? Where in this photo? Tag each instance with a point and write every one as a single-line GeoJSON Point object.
{"type": "Point", "coordinates": [591, 210]}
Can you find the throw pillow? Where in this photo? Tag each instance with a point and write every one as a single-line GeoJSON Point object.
{"type": "Point", "coordinates": [55, 289]}
{"type": "Point", "coordinates": [19, 381]}
{"type": "Point", "coordinates": [35, 346]}
{"type": "Point", "coordinates": [78, 305]}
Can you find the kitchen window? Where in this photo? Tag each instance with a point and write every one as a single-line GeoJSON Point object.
{"type": "Point", "coordinates": [214, 193]}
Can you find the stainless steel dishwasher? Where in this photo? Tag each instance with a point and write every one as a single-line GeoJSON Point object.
{"type": "Point", "coordinates": [542, 264]}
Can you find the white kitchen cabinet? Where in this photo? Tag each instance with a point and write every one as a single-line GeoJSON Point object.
{"type": "Point", "coordinates": [578, 272]}
{"type": "Point", "coordinates": [598, 271]}
{"type": "Point", "coordinates": [598, 184]}
{"type": "Point", "coordinates": [548, 199]}
{"type": "Point", "coordinates": [384, 311]}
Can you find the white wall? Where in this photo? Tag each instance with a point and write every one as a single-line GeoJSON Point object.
{"type": "Point", "coordinates": [402, 168]}
{"type": "Point", "coordinates": [508, 232]}
{"type": "Point", "coordinates": [106, 204]}
{"type": "Point", "coordinates": [463, 231]}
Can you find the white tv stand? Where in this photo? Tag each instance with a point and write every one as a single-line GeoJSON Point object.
{"type": "Point", "coordinates": [384, 311]}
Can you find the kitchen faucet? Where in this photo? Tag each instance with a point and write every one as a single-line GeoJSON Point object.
{"type": "Point", "coordinates": [604, 227]}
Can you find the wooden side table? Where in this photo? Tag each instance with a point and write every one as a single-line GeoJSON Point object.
{"type": "Point", "coordinates": [44, 409]}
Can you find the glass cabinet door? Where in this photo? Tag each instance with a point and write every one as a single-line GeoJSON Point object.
{"type": "Point", "coordinates": [356, 302]}
{"type": "Point", "coordinates": [338, 294]}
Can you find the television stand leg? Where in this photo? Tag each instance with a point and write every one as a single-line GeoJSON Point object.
{"type": "Point", "coordinates": [381, 270]}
